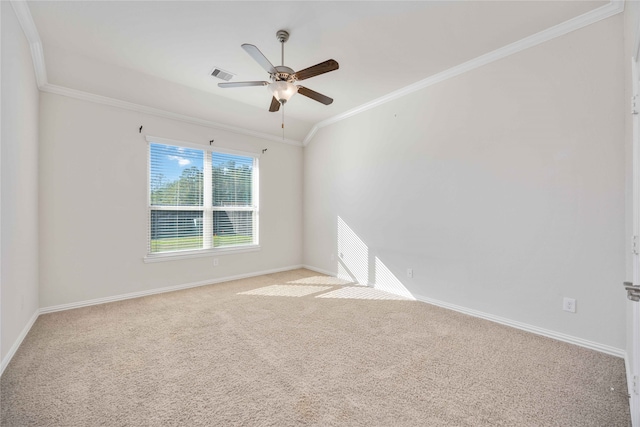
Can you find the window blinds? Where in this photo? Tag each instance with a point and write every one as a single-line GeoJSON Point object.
{"type": "Point", "coordinates": [200, 199]}
{"type": "Point", "coordinates": [232, 185]}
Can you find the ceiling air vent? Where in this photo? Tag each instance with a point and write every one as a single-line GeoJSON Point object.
{"type": "Point", "coordinates": [222, 74]}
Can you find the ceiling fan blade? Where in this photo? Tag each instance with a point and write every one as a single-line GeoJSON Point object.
{"type": "Point", "coordinates": [314, 95]}
{"type": "Point", "coordinates": [275, 105]}
{"type": "Point", "coordinates": [242, 84]}
{"type": "Point", "coordinates": [316, 70]}
{"type": "Point", "coordinates": [259, 58]}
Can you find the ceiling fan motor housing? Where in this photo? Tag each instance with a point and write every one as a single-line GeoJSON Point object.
{"type": "Point", "coordinates": [284, 74]}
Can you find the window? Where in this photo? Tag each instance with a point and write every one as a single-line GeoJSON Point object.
{"type": "Point", "coordinates": [200, 200]}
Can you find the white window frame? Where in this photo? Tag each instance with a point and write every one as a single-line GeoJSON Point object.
{"type": "Point", "coordinates": [207, 208]}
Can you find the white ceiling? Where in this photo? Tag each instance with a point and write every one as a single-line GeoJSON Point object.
{"type": "Point", "coordinates": [380, 46]}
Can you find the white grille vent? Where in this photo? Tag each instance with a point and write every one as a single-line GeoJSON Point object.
{"type": "Point", "coordinates": [222, 74]}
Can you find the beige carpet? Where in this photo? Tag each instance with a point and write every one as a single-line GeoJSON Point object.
{"type": "Point", "coordinates": [267, 351]}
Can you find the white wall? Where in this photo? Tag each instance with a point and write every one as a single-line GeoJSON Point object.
{"type": "Point", "coordinates": [93, 203]}
{"type": "Point", "coordinates": [503, 188]}
{"type": "Point", "coordinates": [19, 181]}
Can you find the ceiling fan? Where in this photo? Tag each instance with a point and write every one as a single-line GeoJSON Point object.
{"type": "Point", "coordinates": [282, 78]}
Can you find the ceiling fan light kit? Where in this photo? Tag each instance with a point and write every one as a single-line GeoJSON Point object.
{"type": "Point", "coordinates": [282, 79]}
{"type": "Point", "coordinates": [282, 91]}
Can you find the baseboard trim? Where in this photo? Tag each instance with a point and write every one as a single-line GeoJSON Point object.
{"type": "Point", "coordinates": [627, 367]}
{"type": "Point", "coordinates": [18, 341]}
{"type": "Point", "coordinates": [131, 295]}
{"type": "Point", "coordinates": [475, 313]}
{"type": "Point", "coordinates": [319, 270]}
{"type": "Point", "coordinates": [603, 348]}
{"type": "Point", "coordinates": [592, 345]}
{"type": "Point", "coordinates": [97, 301]}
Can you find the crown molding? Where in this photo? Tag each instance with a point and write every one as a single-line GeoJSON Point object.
{"type": "Point", "coordinates": [37, 54]}
{"type": "Point", "coordinates": [28, 26]}
{"type": "Point", "coordinates": [25, 19]}
{"type": "Point", "coordinates": [113, 102]}
{"type": "Point", "coordinates": [612, 8]}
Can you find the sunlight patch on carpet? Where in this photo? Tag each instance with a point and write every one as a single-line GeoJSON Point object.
{"type": "Point", "coordinates": [286, 290]}
{"type": "Point", "coordinates": [322, 280]}
{"type": "Point", "coordinates": [350, 292]}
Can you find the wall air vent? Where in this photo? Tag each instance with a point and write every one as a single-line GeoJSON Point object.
{"type": "Point", "coordinates": [222, 74]}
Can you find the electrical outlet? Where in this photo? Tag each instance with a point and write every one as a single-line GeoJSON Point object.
{"type": "Point", "coordinates": [215, 262]}
{"type": "Point", "coordinates": [569, 304]}
{"type": "Point", "coordinates": [410, 273]}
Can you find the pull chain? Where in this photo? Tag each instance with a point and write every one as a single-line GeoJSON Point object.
{"type": "Point", "coordinates": [283, 121]}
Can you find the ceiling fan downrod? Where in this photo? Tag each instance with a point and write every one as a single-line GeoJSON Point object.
{"type": "Point", "coordinates": [282, 37]}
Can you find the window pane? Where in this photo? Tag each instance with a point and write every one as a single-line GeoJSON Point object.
{"type": "Point", "coordinates": [232, 228]}
{"type": "Point", "coordinates": [175, 175]}
{"type": "Point", "coordinates": [199, 199]}
{"type": "Point", "coordinates": [232, 180]}
{"type": "Point", "coordinates": [175, 231]}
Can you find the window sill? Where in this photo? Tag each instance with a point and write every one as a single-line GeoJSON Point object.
{"type": "Point", "coordinates": [161, 257]}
